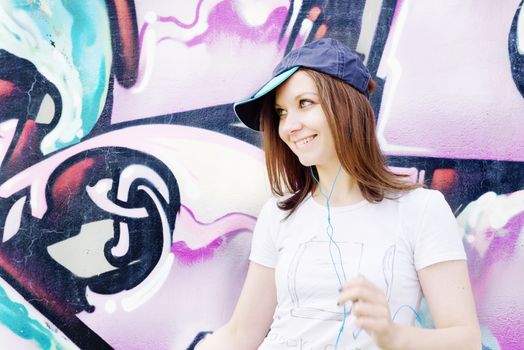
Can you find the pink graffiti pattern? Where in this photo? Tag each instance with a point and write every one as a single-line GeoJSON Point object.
{"type": "Point", "coordinates": [220, 231]}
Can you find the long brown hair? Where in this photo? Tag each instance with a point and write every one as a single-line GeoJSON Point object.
{"type": "Point", "coordinates": [352, 123]}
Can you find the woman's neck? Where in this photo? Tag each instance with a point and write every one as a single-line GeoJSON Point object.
{"type": "Point", "coordinates": [343, 187]}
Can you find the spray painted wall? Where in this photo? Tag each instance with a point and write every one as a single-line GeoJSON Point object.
{"type": "Point", "coordinates": [129, 191]}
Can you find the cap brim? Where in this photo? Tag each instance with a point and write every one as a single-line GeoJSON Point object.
{"type": "Point", "coordinates": [248, 111]}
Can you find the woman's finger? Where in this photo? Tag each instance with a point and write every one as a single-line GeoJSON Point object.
{"type": "Point", "coordinates": [373, 325]}
{"type": "Point", "coordinates": [364, 309]}
{"type": "Point", "coordinates": [362, 291]}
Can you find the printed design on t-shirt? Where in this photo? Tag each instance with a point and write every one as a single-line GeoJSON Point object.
{"type": "Point", "coordinates": [312, 264]}
{"type": "Point", "coordinates": [388, 262]}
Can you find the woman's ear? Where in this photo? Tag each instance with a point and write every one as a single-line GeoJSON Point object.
{"type": "Point", "coordinates": [372, 86]}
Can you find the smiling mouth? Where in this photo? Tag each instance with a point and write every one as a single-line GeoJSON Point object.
{"type": "Point", "coordinates": [305, 140]}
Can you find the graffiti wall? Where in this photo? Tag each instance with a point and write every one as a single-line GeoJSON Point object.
{"type": "Point", "coordinates": [129, 191]}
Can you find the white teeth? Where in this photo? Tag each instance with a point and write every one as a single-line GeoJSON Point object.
{"type": "Point", "coordinates": [304, 141]}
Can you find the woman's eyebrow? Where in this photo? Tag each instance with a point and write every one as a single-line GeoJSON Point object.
{"type": "Point", "coordinates": [305, 94]}
{"type": "Point", "coordinates": [299, 96]}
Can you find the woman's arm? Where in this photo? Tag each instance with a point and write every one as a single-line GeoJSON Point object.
{"type": "Point", "coordinates": [253, 313]}
{"type": "Point", "coordinates": [448, 293]}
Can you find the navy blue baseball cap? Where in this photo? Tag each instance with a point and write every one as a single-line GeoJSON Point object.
{"type": "Point", "coordinates": [327, 56]}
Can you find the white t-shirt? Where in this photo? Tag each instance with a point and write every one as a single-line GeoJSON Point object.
{"type": "Point", "coordinates": [386, 242]}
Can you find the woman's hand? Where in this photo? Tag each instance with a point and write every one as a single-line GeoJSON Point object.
{"type": "Point", "coordinates": [371, 310]}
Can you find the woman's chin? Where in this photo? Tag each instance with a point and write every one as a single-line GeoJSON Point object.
{"type": "Point", "coordinates": [306, 162]}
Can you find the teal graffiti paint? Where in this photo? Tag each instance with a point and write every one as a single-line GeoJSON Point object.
{"type": "Point", "coordinates": [15, 317]}
{"type": "Point", "coordinates": [69, 42]}
{"type": "Point", "coordinates": [92, 54]}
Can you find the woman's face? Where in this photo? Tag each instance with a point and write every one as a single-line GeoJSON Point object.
{"type": "Point", "coordinates": [303, 125]}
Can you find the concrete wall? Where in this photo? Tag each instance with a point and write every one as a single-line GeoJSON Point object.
{"type": "Point", "coordinates": [128, 190]}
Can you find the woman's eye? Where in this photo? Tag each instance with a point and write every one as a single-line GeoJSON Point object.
{"type": "Point", "coordinates": [305, 103]}
{"type": "Point", "coordinates": [280, 112]}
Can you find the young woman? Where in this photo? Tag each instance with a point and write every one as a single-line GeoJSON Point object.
{"type": "Point", "coordinates": [342, 258]}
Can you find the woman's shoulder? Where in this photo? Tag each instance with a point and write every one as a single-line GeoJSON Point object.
{"type": "Point", "coordinates": [420, 195]}
{"type": "Point", "coordinates": [271, 207]}
{"type": "Point", "coordinates": [422, 210]}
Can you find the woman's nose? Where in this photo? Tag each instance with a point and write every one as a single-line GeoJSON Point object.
{"type": "Point", "coordinates": [291, 123]}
